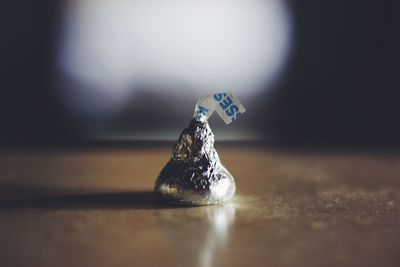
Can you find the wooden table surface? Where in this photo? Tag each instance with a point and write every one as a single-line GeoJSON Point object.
{"type": "Point", "coordinates": [95, 207]}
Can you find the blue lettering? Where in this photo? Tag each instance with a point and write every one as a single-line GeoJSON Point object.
{"type": "Point", "coordinates": [202, 110]}
{"type": "Point", "coordinates": [232, 110]}
{"type": "Point", "coordinates": [219, 97]}
{"type": "Point", "coordinates": [226, 103]}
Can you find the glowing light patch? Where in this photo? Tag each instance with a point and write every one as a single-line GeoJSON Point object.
{"type": "Point", "coordinates": [109, 49]}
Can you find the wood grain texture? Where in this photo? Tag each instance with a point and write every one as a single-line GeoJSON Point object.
{"type": "Point", "coordinates": [95, 207]}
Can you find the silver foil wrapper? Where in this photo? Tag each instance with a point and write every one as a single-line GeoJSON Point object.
{"type": "Point", "coordinates": [195, 175]}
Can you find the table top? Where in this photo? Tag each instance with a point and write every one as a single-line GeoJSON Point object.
{"type": "Point", "coordinates": [95, 207]}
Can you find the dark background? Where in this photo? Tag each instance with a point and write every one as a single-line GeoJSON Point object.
{"type": "Point", "coordinates": [340, 86]}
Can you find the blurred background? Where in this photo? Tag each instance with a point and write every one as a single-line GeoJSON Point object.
{"type": "Point", "coordinates": [312, 72]}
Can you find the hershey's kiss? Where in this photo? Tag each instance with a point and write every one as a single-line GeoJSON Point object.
{"type": "Point", "coordinates": [195, 175]}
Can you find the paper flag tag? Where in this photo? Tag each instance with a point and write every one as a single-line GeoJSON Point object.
{"type": "Point", "coordinates": [226, 105]}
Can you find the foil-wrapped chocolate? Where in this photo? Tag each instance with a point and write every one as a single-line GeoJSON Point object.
{"type": "Point", "coordinates": [194, 174]}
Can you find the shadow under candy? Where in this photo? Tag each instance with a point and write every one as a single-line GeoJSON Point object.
{"type": "Point", "coordinates": [53, 198]}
